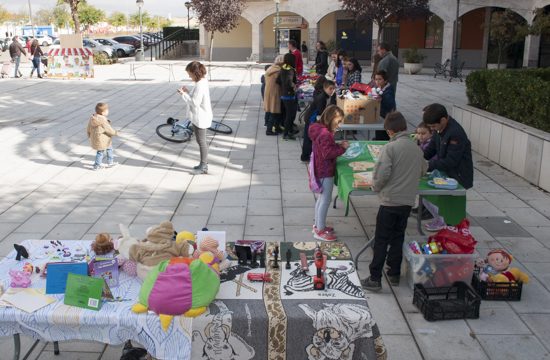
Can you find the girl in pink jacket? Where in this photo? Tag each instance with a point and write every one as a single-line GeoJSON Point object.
{"type": "Point", "coordinates": [325, 151]}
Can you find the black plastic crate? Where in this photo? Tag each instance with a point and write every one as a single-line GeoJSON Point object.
{"type": "Point", "coordinates": [503, 291]}
{"type": "Point", "coordinates": [458, 301]}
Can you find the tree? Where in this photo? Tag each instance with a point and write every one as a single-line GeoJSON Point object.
{"type": "Point", "coordinates": [379, 11]}
{"type": "Point", "coordinates": [61, 16]}
{"type": "Point", "coordinates": [90, 15]}
{"type": "Point", "coordinates": [506, 27]}
{"type": "Point", "coordinates": [117, 19]}
{"type": "Point", "coordinates": [73, 5]}
{"type": "Point", "coordinates": [44, 17]}
{"type": "Point", "coordinates": [218, 15]}
{"type": "Point", "coordinates": [145, 18]}
{"type": "Point", "coordinates": [541, 23]}
{"type": "Point", "coordinates": [4, 14]}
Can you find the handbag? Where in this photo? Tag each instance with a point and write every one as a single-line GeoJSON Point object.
{"type": "Point", "coordinates": [314, 184]}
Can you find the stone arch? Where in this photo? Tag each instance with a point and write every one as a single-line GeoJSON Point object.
{"type": "Point", "coordinates": [505, 4]}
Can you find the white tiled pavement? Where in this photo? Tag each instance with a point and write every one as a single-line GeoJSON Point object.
{"type": "Point", "coordinates": [257, 188]}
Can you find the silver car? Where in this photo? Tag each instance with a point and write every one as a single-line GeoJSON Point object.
{"type": "Point", "coordinates": [98, 48]}
{"type": "Point", "coordinates": [121, 49]}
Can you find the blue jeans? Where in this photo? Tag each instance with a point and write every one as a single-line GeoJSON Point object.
{"type": "Point", "coordinates": [36, 65]}
{"type": "Point", "coordinates": [101, 153]}
{"type": "Point", "coordinates": [17, 60]}
{"type": "Point", "coordinates": [323, 202]}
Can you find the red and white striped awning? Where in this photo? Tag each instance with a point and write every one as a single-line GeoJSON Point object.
{"type": "Point", "coordinates": [71, 52]}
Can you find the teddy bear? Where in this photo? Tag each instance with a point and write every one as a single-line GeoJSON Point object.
{"type": "Point", "coordinates": [209, 244]}
{"type": "Point", "coordinates": [103, 244]}
{"type": "Point", "coordinates": [497, 268]}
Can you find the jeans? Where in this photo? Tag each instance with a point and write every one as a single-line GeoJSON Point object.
{"type": "Point", "coordinates": [291, 107]}
{"type": "Point", "coordinates": [323, 202]}
{"type": "Point", "coordinates": [200, 136]}
{"type": "Point", "coordinates": [99, 156]}
{"type": "Point", "coordinates": [391, 223]}
{"type": "Point", "coordinates": [17, 60]}
{"type": "Point", "coordinates": [36, 65]}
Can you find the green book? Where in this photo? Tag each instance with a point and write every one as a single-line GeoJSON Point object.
{"type": "Point", "coordinates": [84, 291]}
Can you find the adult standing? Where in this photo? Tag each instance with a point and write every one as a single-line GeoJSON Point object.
{"type": "Point", "coordinates": [389, 64]}
{"type": "Point", "coordinates": [16, 49]}
{"type": "Point", "coordinates": [200, 110]}
{"type": "Point", "coordinates": [272, 97]}
{"type": "Point", "coordinates": [298, 62]}
{"type": "Point", "coordinates": [287, 81]}
{"type": "Point", "coordinates": [36, 53]}
{"type": "Point", "coordinates": [321, 59]}
{"type": "Point", "coordinates": [304, 48]}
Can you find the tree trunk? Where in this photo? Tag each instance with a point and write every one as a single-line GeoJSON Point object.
{"type": "Point", "coordinates": [499, 55]}
{"type": "Point", "coordinates": [210, 56]}
{"type": "Point", "coordinates": [74, 15]}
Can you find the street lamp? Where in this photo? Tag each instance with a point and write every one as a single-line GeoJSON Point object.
{"type": "Point", "coordinates": [277, 21]}
{"type": "Point", "coordinates": [188, 6]}
{"type": "Point", "coordinates": [140, 55]}
{"type": "Point", "coordinates": [30, 19]}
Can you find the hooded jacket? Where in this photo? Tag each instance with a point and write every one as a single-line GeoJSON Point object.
{"type": "Point", "coordinates": [325, 150]}
{"type": "Point", "coordinates": [100, 132]}
{"type": "Point", "coordinates": [272, 95]}
{"type": "Point", "coordinates": [287, 81]}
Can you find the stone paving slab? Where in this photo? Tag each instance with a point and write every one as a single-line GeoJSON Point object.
{"type": "Point", "coordinates": [256, 189]}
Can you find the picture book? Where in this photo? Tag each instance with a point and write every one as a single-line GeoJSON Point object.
{"type": "Point", "coordinates": [57, 272]}
{"type": "Point", "coordinates": [362, 179]}
{"type": "Point", "coordinates": [107, 269]}
{"type": "Point", "coordinates": [361, 165]}
{"type": "Point", "coordinates": [375, 150]}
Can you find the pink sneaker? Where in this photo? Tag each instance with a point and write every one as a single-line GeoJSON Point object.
{"type": "Point", "coordinates": [436, 225]}
{"type": "Point", "coordinates": [327, 228]}
{"type": "Point", "coordinates": [324, 235]}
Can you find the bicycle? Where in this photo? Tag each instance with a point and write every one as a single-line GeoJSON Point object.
{"type": "Point", "coordinates": [176, 131]}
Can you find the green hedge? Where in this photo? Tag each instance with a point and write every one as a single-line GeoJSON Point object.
{"type": "Point", "coordinates": [521, 95]}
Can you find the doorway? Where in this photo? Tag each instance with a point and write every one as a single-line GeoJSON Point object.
{"type": "Point", "coordinates": [355, 38]}
{"type": "Point", "coordinates": [390, 35]}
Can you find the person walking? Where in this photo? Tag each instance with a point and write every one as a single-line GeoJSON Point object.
{"type": "Point", "coordinates": [36, 53]}
{"type": "Point", "coordinates": [272, 97]}
{"type": "Point", "coordinates": [16, 49]}
{"type": "Point", "coordinates": [321, 59]}
{"type": "Point", "coordinates": [200, 110]}
{"type": "Point", "coordinates": [389, 64]}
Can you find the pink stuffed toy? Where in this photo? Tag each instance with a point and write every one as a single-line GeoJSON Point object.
{"type": "Point", "coordinates": [20, 279]}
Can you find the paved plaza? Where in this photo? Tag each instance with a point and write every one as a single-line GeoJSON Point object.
{"type": "Point", "coordinates": [256, 189]}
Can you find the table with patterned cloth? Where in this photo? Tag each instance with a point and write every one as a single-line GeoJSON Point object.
{"type": "Point", "coordinates": [282, 319]}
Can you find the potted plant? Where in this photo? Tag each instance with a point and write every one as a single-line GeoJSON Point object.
{"type": "Point", "coordinates": [413, 60]}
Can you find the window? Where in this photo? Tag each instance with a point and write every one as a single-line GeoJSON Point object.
{"type": "Point", "coordinates": [434, 32]}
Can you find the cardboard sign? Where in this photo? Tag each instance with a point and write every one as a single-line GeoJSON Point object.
{"type": "Point", "coordinates": [359, 111]}
{"type": "Point", "coordinates": [84, 291]}
{"type": "Point", "coordinates": [56, 275]}
{"type": "Point", "coordinates": [70, 41]}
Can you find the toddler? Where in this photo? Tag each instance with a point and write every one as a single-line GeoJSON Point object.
{"type": "Point", "coordinates": [423, 136]}
{"type": "Point", "coordinates": [100, 134]}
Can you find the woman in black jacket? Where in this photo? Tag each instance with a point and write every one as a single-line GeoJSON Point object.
{"type": "Point", "coordinates": [321, 60]}
{"type": "Point", "coordinates": [36, 53]}
{"type": "Point", "coordinates": [287, 81]}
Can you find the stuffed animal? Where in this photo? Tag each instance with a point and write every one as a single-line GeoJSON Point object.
{"type": "Point", "coordinates": [123, 245]}
{"type": "Point", "coordinates": [185, 236]}
{"type": "Point", "coordinates": [103, 244]}
{"type": "Point", "coordinates": [179, 286]}
{"type": "Point", "coordinates": [20, 278]}
{"type": "Point", "coordinates": [498, 268]}
{"type": "Point", "coordinates": [158, 246]}
{"type": "Point", "coordinates": [209, 244]}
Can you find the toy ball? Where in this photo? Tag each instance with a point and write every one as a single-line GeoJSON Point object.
{"type": "Point", "coordinates": [185, 236]}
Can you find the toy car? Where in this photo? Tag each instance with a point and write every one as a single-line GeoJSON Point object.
{"type": "Point", "coordinates": [265, 277]}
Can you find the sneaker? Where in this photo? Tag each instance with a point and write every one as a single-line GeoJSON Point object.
{"type": "Point", "coordinates": [436, 225]}
{"type": "Point", "coordinates": [371, 285]}
{"type": "Point", "coordinates": [197, 167]}
{"type": "Point", "coordinates": [113, 164]}
{"type": "Point", "coordinates": [324, 235]}
{"type": "Point", "coordinates": [98, 167]}
{"type": "Point", "coordinates": [327, 228]}
{"type": "Point", "coordinates": [394, 280]}
{"type": "Point", "coordinates": [203, 169]}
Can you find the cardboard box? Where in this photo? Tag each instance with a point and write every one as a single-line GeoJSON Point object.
{"type": "Point", "coordinates": [360, 111]}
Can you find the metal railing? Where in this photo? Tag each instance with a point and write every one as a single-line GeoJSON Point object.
{"type": "Point", "coordinates": [170, 43]}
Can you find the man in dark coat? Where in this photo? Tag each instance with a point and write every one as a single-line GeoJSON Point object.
{"type": "Point", "coordinates": [451, 145]}
{"type": "Point", "coordinates": [16, 49]}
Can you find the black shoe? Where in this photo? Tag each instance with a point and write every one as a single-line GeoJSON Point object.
{"type": "Point", "coordinates": [270, 133]}
{"type": "Point", "coordinates": [202, 169]}
{"type": "Point", "coordinates": [288, 137]}
{"type": "Point", "coordinates": [371, 285]}
{"type": "Point", "coordinates": [304, 158]}
{"type": "Point", "coordinates": [394, 280]}
{"type": "Point", "coordinates": [414, 210]}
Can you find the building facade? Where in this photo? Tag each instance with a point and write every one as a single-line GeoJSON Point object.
{"type": "Point", "coordinates": [434, 34]}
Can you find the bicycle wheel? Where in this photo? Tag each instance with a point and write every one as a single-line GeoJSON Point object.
{"type": "Point", "coordinates": [173, 134]}
{"type": "Point", "coordinates": [220, 128]}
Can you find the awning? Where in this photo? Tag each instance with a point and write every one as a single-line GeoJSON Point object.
{"type": "Point", "coordinates": [70, 52]}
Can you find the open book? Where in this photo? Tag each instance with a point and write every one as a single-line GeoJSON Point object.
{"type": "Point", "coordinates": [362, 179]}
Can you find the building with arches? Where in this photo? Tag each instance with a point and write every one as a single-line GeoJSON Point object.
{"type": "Point", "coordinates": [434, 34]}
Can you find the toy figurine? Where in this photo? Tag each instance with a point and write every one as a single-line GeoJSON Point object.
{"type": "Point", "coordinates": [276, 257]}
{"type": "Point", "coordinates": [303, 263]}
{"type": "Point", "coordinates": [318, 279]}
{"type": "Point", "coordinates": [21, 251]}
{"type": "Point", "coordinates": [20, 279]}
{"type": "Point", "coordinates": [288, 256]}
{"type": "Point", "coordinates": [262, 259]}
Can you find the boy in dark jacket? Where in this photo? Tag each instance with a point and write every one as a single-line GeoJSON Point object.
{"type": "Point", "coordinates": [324, 89]}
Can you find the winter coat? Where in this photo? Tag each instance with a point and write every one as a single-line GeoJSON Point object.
{"type": "Point", "coordinates": [100, 132]}
{"type": "Point", "coordinates": [325, 150]}
{"type": "Point", "coordinates": [320, 100]}
{"type": "Point", "coordinates": [321, 62]}
{"type": "Point", "coordinates": [454, 154]}
{"type": "Point", "coordinates": [299, 61]}
{"type": "Point", "coordinates": [387, 105]}
{"type": "Point", "coordinates": [287, 81]}
{"type": "Point", "coordinates": [390, 65]}
{"type": "Point", "coordinates": [398, 170]}
{"type": "Point", "coordinates": [198, 104]}
{"type": "Point", "coordinates": [16, 49]}
{"type": "Point", "coordinates": [331, 72]}
{"type": "Point", "coordinates": [36, 51]}
{"type": "Point", "coordinates": [272, 95]}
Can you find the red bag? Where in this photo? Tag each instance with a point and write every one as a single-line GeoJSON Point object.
{"type": "Point", "coordinates": [456, 240]}
{"type": "Point", "coordinates": [362, 88]}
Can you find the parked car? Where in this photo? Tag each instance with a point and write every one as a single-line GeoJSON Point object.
{"type": "Point", "coordinates": [121, 49]}
{"type": "Point", "coordinates": [128, 39]}
{"type": "Point", "coordinates": [96, 47]}
{"type": "Point", "coordinates": [44, 40]}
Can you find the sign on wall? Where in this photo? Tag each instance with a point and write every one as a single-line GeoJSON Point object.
{"type": "Point", "coordinates": [288, 21]}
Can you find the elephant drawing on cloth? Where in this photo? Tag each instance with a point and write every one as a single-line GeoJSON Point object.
{"type": "Point", "coordinates": [219, 343]}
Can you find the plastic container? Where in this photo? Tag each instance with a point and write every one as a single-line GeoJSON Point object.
{"type": "Point", "coordinates": [503, 291]}
{"type": "Point", "coordinates": [458, 301]}
{"type": "Point", "coordinates": [436, 270]}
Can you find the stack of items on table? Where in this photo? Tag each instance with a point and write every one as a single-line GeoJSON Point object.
{"type": "Point", "coordinates": [359, 108]}
{"type": "Point", "coordinates": [306, 84]}
{"type": "Point", "coordinates": [441, 267]}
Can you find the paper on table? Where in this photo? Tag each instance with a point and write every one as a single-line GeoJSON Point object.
{"type": "Point", "coordinates": [28, 300]}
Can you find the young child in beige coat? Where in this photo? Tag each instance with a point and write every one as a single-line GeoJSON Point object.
{"type": "Point", "coordinates": [100, 134]}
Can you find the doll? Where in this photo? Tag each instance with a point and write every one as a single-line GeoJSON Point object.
{"type": "Point", "coordinates": [497, 268]}
{"type": "Point", "coordinates": [103, 244]}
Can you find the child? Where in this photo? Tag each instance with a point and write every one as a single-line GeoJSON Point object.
{"type": "Point", "coordinates": [324, 89]}
{"type": "Point", "coordinates": [387, 100]}
{"type": "Point", "coordinates": [100, 134]}
{"type": "Point", "coordinates": [262, 80]}
{"type": "Point", "coordinates": [325, 152]}
{"type": "Point", "coordinates": [423, 135]}
{"type": "Point", "coordinates": [396, 174]}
